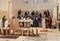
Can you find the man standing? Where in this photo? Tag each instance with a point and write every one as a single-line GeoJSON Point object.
{"type": "Point", "coordinates": [19, 14]}
{"type": "Point", "coordinates": [3, 21]}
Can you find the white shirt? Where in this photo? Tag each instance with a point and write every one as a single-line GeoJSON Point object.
{"type": "Point", "coordinates": [31, 21]}
{"type": "Point", "coordinates": [6, 23]}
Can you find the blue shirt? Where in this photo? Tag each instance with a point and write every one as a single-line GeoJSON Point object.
{"type": "Point", "coordinates": [19, 17]}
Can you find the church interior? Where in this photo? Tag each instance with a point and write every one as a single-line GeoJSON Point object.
{"type": "Point", "coordinates": [29, 20]}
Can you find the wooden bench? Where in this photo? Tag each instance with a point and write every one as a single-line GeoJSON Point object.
{"type": "Point", "coordinates": [30, 32]}
{"type": "Point", "coordinates": [5, 31]}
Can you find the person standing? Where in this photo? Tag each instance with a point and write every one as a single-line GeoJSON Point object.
{"type": "Point", "coordinates": [49, 21]}
{"type": "Point", "coordinates": [48, 13]}
{"type": "Point", "coordinates": [3, 21]}
{"type": "Point", "coordinates": [43, 23]}
{"type": "Point", "coordinates": [40, 18]}
{"type": "Point", "coordinates": [14, 24]}
{"type": "Point", "coordinates": [33, 13]}
{"type": "Point", "coordinates": [19, 14]}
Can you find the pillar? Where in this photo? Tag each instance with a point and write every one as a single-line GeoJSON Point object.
{"type": "Point", "coordinates": [10, 8]}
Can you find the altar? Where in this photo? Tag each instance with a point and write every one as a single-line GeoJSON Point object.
{"type": "Point", "coordinates": [25, 23]}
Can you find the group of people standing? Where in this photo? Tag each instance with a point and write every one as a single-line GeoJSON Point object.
{"type": "Point", "coordinates": [48, 20]}
{"type": "Point", "coordinates": [37, 17]}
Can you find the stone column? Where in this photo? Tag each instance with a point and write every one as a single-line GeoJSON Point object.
{"type": "Point", "coordinates": [54, 19]}
{"type": "Point", "coordinates": [54, 13]}
{"type": "Point", "coordinates": [10, 8]}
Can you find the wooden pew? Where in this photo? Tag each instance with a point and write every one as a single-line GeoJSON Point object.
{"type": "Point", "coordinates": [5, 31]}
{"type": "Point", "coordinates": [30, 32]}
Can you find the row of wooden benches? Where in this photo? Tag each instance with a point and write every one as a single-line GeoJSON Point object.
{"type": "Point", "coordinates": [22, 32]}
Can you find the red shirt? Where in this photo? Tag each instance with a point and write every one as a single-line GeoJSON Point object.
{"type": "Point", "coordinates": [49, 21]}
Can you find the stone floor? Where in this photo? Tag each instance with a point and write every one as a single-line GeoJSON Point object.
{"type": "Point", "coordinates": [44, 36]}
